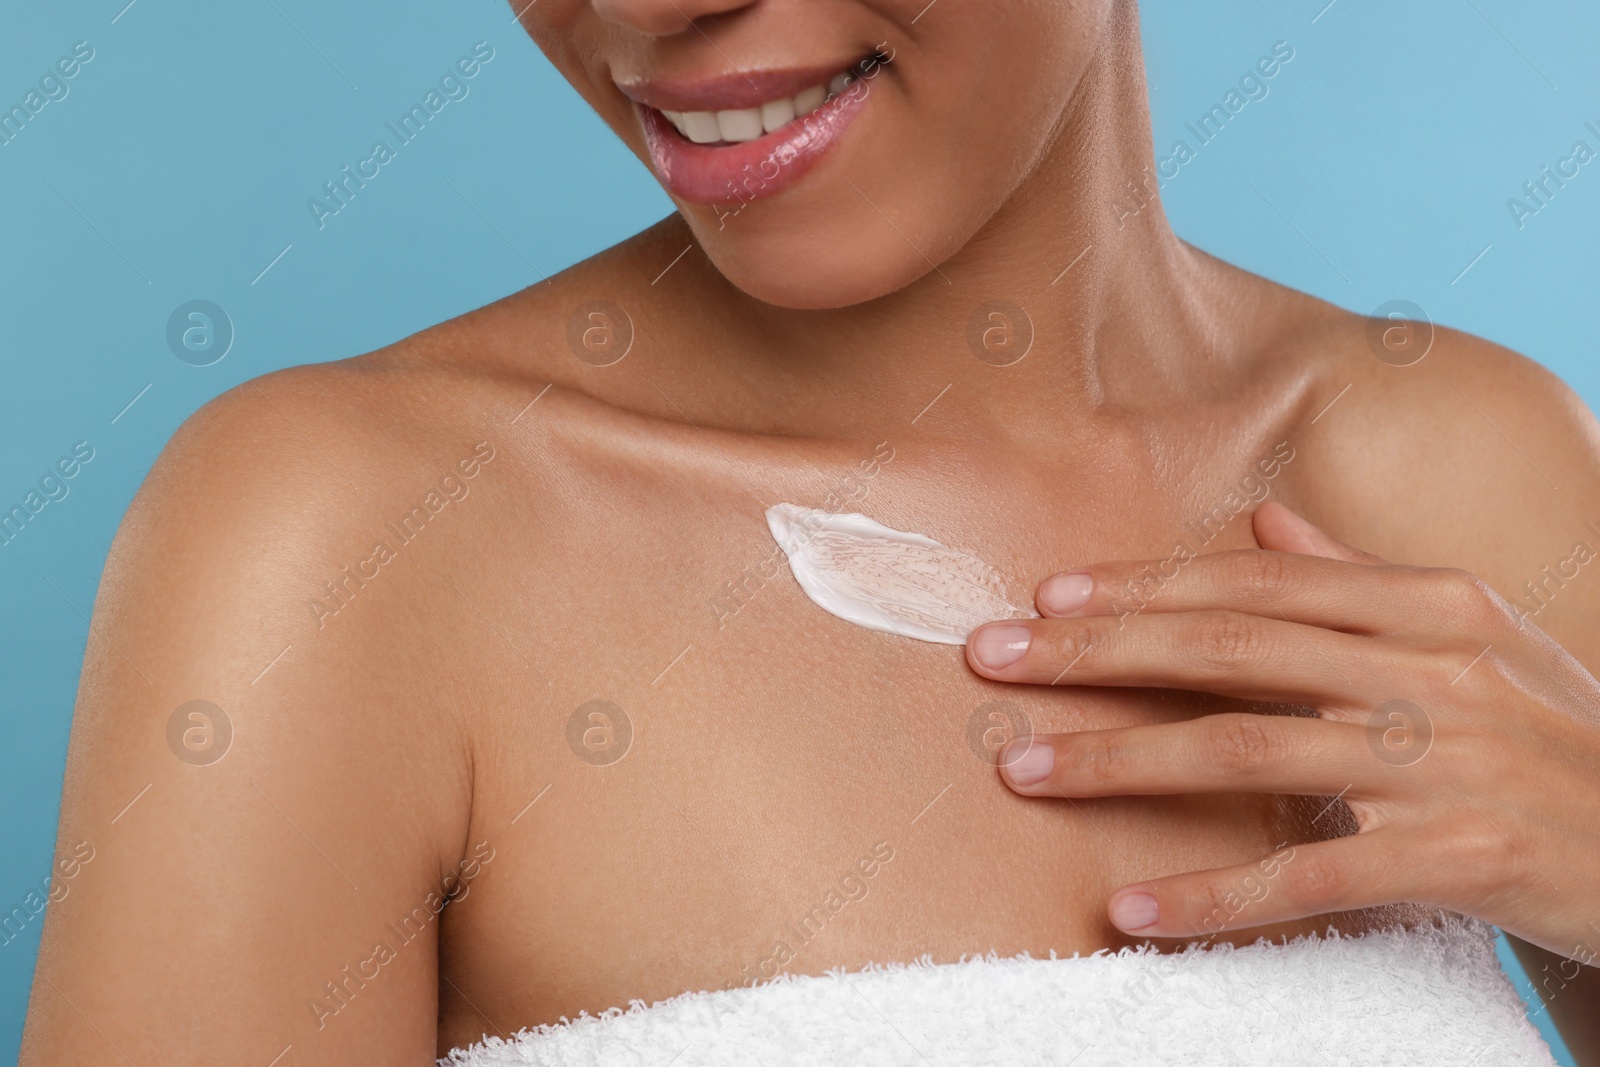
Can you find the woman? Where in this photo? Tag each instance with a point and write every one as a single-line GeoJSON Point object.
{"type": "Point", "coordinates": [461, 687]}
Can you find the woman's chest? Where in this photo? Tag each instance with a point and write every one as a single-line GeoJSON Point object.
{"type": "Point", "coordinates": [713, 779]}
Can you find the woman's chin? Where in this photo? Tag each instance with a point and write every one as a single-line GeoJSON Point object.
{"type": "Point", "coordinates": [815, 270]}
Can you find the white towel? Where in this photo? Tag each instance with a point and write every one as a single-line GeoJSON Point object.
{"type": "Point", "coordinates": [1431, 995]}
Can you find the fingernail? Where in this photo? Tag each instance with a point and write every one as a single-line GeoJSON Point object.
{"type": "Point", "coordinates": [1000, 646]}
{"type": "Point", "coordinates": [1026, 761]}
{"type": "Point", "coordinates": [1134, 911]}
{"type": "Point", "coordinates": [1063, 593]}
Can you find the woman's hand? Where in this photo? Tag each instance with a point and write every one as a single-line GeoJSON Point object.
{"type": "Point", "coordinates": [1464, 740]}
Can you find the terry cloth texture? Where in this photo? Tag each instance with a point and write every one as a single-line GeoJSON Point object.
{"type": "Point", "coordinates": [1430, 995]}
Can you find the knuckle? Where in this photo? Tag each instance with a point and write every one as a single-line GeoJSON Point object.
{"type": "Point", "coordinates": [1074, 640]}
{"type": "Point", "coordinates": [1266, 574]}
{"type": "Point", "coordinates": [1468, 597]}
{"type": "Point", "coordinates": [1098, 758]}
{"type": "Point", "coordinates": [1137, 586]}
{"type": "Point", "coordinates": [1242, 744]}
{"type": "Point", "coordinates": [1214, 906]}
{"type": "Point", "coordinates": [1314, 881]}
{"type": "Point", "coordinates": [1224, 639]}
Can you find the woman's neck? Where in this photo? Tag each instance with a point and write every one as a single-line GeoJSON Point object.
{"type": "Point", "coordinates": [1081, 256]}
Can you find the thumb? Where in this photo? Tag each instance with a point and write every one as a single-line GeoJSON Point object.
{"type": "Point", "coordinates": [1281, 530]}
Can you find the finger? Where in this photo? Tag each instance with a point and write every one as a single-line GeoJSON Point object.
{"type": "Point", "coordinates": [1294, 882]}
{"type": "Point", "coordinates": [1229, 653]}
{"type": "Point", "coordinates": [1386, 599]}
{"type": "Point", "coordinates": [1225, 753]}
{"type": "Point", "coordinates": [1277, 527]}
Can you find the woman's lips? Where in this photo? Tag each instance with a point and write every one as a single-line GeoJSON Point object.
{"type": "Point", "coordinates": [754, 152]}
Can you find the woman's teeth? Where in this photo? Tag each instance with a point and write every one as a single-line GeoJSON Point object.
{"type": "Point", "coordinates": [746, 124]}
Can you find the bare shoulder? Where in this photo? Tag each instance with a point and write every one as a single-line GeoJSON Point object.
{"type": "Point", "coordinates": [1429, 445]}
{"type": "Point", "coordinates": [287, 704]}
{"type": "Point", "coordinates": [279, 489]}
{"type": "Point", "coordinates": [273, 745]}
{"type": "Point", "coordinates": [310, 444]}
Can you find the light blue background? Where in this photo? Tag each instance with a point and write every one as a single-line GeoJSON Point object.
{"type": "Point", "coordinates": [184, 154]}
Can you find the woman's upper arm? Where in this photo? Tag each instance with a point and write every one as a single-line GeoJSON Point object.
{"type": "Point", "coordinates": [256, 811]}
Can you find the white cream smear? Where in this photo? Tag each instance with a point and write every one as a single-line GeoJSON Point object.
{"type": "Point", "coordinates": [889, 580]}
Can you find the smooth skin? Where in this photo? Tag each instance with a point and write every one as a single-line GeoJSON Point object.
{"type": "Point", "coordinates": [412, 739]}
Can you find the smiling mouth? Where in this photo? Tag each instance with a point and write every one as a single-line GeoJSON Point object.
{"type": "Point", "coordinates": [767, 112]}
{"type": "Point", "coordinates": [746, 124]}
{"type": "Point", "coordinates": [747, 135]}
